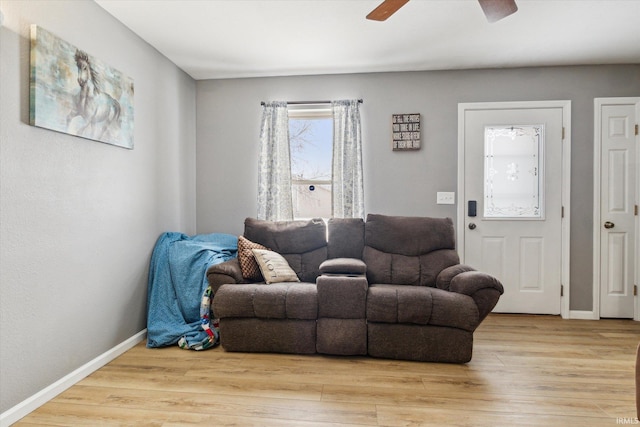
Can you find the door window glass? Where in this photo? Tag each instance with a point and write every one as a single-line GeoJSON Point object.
{"type": "Point", "coordinates": [513, 172]}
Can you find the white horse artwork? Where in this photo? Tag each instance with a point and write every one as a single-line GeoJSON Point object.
{"type": "Point", "coordinates": [95, 113]}
{"type": "Point", "coordinates": [75, 93]}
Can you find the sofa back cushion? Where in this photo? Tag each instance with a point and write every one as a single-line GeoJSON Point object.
{"type": "Point", "coordinates": [302, 243]}
{"type": "Point", "coordinates": [346, 238]}
{"type": "Point", "coordinates": [408, 250]}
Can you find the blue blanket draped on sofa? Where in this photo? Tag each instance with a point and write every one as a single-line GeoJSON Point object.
{"type": "Point", "coordinates": [177, 282]}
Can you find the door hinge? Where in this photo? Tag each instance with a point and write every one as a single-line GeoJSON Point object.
{"type": "Point", "coordinates": [562, 212]}
{"type": "Point", "coordinates": [563, 132]}
{"type": "Point", "coordinates": [635, 210]}
{"type": "Point", "coordinates": [636, 129]}
{"type": "Point", "coordinates": [635, 290]}
{"type": "Point", "coordinates": [561, 290]}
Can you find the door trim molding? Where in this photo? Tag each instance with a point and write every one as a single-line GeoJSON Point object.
{"type": "Point", "coordinates": [565, 105]}
{"type": "Point", "coordinates": [598, 103]}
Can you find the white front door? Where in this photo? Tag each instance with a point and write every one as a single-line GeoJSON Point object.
{"type": "Point", "coordinates": [616, 220]}
{"type": "Point", "coordinates": [512, 167]}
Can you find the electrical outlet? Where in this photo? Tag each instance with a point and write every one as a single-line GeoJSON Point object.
{"type": "Point", "coordinates": [445, 197]}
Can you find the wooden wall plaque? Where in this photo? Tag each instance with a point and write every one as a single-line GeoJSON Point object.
{"type": "Point", "coordinates": [405, 131]}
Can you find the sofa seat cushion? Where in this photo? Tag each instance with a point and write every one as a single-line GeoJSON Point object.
{"type": "Point", "coordinates": [421, 305]}
{"type": "Point", "coordinates": [289, 300]}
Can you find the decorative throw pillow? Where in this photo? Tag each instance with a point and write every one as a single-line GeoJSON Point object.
{"type": "Point", "coordinates": [248, 264]}
{"type": "Point", "coordinates": [274, 267]}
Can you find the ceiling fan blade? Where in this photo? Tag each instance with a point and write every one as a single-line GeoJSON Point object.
{"type": "Point", "coordinates": [386, 9]}
{"type": "Point", "coordinates": [495, 10]}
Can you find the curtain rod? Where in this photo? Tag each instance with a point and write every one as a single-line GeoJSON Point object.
{"type": "Point", "coordinates": [308, 102]}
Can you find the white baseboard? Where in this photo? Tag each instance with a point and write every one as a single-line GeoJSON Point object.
{"type": "Point", "coordinates": [23, 408]}
{"type": "Point", "coordinates": [582, 315]}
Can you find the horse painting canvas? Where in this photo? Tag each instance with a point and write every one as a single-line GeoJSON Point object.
{"type": "Point", "coordinates": [75, 93]}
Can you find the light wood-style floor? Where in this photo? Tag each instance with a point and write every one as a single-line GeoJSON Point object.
{"type": "Point", "coordinates": [526, 371]}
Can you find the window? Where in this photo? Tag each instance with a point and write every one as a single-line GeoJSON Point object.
{"type": "Point", "coordinates": [326, 161]}
{"type": "Point", "coordinates": [311, 146]}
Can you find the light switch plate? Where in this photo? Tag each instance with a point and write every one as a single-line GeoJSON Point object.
{"type": "Point", "coordinates": [446, 197]}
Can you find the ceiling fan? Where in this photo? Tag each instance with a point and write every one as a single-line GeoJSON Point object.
{"type": "Point", "coordinates": [494, 10]}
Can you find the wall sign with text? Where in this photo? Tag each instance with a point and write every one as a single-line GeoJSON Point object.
{"type": "Point", "coordinates": [406, 131]}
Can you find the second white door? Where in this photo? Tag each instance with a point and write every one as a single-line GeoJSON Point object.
{"type": "Point", "coordinates": [616, 218]}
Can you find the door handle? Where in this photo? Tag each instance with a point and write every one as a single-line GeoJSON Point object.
{"type": "Point", "coordinates": [609, 224]}
{"type": "Point", "coordinates": [472, 226]}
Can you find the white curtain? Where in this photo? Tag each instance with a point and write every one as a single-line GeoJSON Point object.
{"type": "Point", "coordinates": [274, 176]}
{"type": "Point", "coordinates": [348, 188]}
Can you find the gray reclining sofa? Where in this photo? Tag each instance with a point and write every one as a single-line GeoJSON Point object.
{"type": "Point", "coordinates": [390, 287]}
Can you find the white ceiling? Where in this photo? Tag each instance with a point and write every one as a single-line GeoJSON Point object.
{"type": "Point", "coordinates": [212, 39]}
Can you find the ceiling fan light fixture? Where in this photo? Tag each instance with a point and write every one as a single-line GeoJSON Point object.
{"type": "Point", "coordinates": [495, 10]}
{"type": "Point", "coordinates": [386, 9]}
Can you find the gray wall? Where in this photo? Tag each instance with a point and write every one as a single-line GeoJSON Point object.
{"type": "Point", "coordinates": [79, 218]}
{"type": "Point", "coordinates": [400, 183]}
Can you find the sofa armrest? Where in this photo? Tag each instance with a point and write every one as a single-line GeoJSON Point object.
{"type": "Point", "coordinates": [344, 266]}
{"type": "Point", "coordinates": [482, 287]}
{"type": "Point", "coordinates": [227, 272]}
{"type": "Point", "coordinates": [443, 280]}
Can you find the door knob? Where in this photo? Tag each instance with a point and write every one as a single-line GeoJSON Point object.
{"type": "Point", "coordinates": [472, 226]}
{"type": "Point", "coordinates": [609, 224]}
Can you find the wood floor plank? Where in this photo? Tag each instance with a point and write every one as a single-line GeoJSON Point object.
{"type": "Point", "coordinates": [526, 371]}
{"type": "Point", "coordinates": [426, 417]}
{"type": "Point", "coordinates": [64, 414]}
{"type": "Point", "coordinates": [240, 421]}
{"type": "Point", "coordinates": [234, 386]}
{"type": "Point", "coordinates": [222, 405]}
{"type": "Point", "coordinates": [353, 371]}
